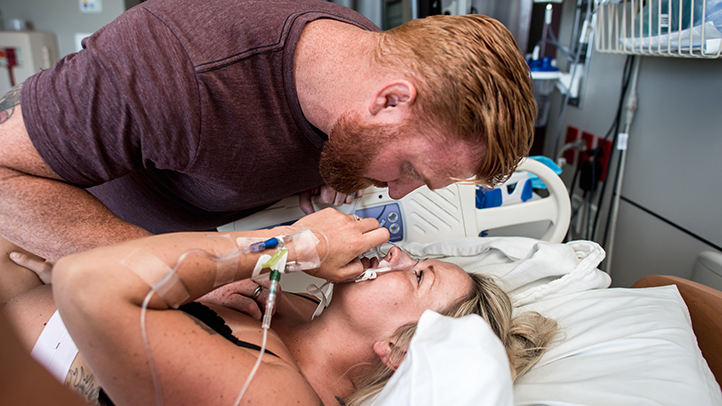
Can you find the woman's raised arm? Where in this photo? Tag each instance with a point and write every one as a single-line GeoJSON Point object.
{"type": "Point", "coordinates": [100, 294]}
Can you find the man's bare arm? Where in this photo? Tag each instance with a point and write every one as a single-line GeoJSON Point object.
{"type": "Point", "coordinates": [40, 212]}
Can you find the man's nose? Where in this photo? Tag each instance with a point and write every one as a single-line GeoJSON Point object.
{"type": "Point", "coordinates": [399, 190]}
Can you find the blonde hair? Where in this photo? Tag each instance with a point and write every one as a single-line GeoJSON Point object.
{"type": "Point", "coordinates": [525, 336]}
{"type": "Point", "coordinates": [472, 83]}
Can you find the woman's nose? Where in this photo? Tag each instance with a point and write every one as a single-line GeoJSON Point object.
{"type": "Point", "coordinates": [392, 255]}
{"type": "Point", "coordinates": [399, 259]}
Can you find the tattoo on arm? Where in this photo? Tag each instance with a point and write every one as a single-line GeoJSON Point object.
{"type": "Point", "coordinates": [83, 384]}
{"type": "Point", "coordinates": [8, 103]}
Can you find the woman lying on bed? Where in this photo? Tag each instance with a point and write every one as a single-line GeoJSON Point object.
{"type": "Point", "coordinates": [203, 354]}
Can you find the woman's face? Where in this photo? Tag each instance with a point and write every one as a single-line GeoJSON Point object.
{"type": "Point", "coordinates": [397, 298]}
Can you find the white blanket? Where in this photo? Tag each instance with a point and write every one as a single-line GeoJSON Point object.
{"type": "Point", "coordinates": [527, 268]}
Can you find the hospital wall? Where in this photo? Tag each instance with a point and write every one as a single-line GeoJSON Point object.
{"type": "Point", "coordinates": [671, 207]}
{"type": "Point", "coordinates": [62, 17]}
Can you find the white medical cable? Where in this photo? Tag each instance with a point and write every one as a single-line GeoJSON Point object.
{"type": "Point", "coordinates": [255, 368]}
{"type": "Point", "coordinates": [154, 372]}
{"type": "Point", "coordinates": [573, 72]}
{"type": "Point", "coordinates": [148, 352]}
{"type": "Point", "coordinates": [277, 265]}
{"type": "Point", "coordinates": [270, 304]}
{"type": "Point", "coordinates": [630, 108]}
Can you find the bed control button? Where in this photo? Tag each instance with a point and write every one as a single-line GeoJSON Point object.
{"type": "Point", "coordinates": [394, 228]}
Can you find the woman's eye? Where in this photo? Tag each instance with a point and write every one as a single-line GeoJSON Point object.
{"type": "Point", "coordinates": [419, 275]}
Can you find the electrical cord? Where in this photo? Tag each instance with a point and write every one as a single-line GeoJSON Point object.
{"type": "Point", "coordinates": [568, 53]}
{"type": "Point", "coordinates": [630, 107]}
{"type": "Point", "coordinates": [590, 228]}
{"type": "Point", "coordinates": [573, 71]}
{"type": "Point", "coordinates": [614, 129]}
{"type": "Point", "coordinates": [571, 193]}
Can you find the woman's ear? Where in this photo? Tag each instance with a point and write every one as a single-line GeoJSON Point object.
{"type": "Point", "coordinates": [393, 94]}
{"type": "Point", "coordinates": [384, 350]}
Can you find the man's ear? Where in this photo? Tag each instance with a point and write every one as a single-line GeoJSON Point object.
{"type": "Point", "coordinates": [384, 350]}
{"type": "Point", "coordinates": [394, 94]}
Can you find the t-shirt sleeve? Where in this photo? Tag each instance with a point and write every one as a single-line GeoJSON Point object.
{"type": "Point", "coordinates": [128, 100]}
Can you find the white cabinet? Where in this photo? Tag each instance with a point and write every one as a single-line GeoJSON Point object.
{"type": "Point", "coordinates": [33, 52]}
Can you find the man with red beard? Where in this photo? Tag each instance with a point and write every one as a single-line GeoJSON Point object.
{"type": "Point", "coordinates": [183, 115]}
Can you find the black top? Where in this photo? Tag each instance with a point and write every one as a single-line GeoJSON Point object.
{"type": "Point", "coordinates": [214, 321]}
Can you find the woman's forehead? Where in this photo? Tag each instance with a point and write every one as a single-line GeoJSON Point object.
{"type": "Point", "coordinates": [444, 265]}
{"type": "Point", "coordinates": [452, 276]}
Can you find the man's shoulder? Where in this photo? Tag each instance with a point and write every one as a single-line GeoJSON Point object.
{"type": "Point", "coordinates": [218, 32]}
{"type": "Point", "coordinates": [248, 18]}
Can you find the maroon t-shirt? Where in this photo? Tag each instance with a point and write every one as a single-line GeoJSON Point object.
{"type": "Point", "coordinates": [183, 114]}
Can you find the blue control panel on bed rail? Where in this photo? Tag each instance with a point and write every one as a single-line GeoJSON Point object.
{"type": "Point", "coordinates": [389, 216]}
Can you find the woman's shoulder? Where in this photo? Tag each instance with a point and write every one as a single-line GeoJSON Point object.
{"type": "Point", "coordinates": [243, 331]}
{"type": "Point", "coordinates": [278, 364]}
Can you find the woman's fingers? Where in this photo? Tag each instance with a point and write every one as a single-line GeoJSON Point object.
{"type": "Point", "coordinates": [237, 296]}
{"type": "Point", "coordinates": [348, 237]}
{"type": "Point", "coordinates": [34, 263]}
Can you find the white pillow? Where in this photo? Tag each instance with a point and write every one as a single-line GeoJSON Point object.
{"type": "Point", "coordinates": [620, 347]}
{"type": "Point", "coordinates": [451, 362]}
{"type": "Point", "coordinates": [616, 347]}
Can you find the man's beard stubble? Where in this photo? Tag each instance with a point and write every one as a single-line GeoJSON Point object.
{"type": "Point", "coordinates": [347, 154]}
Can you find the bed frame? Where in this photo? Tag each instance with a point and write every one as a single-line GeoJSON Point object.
{"type": "Point", "coordinates": [705, 309]}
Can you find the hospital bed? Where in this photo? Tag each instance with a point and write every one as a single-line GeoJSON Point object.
{"type": "Point", "coordinates": [654, 344]}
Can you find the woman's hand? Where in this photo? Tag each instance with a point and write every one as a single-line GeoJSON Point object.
{"type": "Point", "coordinates": [42, 267]}
{"type": "Point", "coordinates": [325, 194]}
{"type": "Point", "coordinates": [348, 237]}
{"type": "Point", "coordinates": [246, 296]}
{"type": "Point", "coordinates": [15, 276]}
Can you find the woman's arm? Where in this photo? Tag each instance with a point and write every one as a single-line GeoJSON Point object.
{"type": "Point", "coordinates": [100, 301]}
{"type": "Point", "coordinates": [24, 376]}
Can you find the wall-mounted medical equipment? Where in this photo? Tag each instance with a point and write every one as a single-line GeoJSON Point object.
{"type": "Point", "coordinates": [677, 28]}
{"type": "Point", "coordinates": [545, 77]}
{"type": "Point", "coordinates": [23, 54]}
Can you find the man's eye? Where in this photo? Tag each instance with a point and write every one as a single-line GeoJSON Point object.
{"type": "Point", "coordinates": [413, 174]}
{"type": "Point", "coordinates": [419, 275]}
{"type": "Point", "coordinates": [410, 171]}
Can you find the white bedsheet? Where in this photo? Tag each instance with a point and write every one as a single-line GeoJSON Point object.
{"type": "Point", "coordinates": [620, 347]}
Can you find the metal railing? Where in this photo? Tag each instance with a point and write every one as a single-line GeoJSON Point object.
{"type": "Point", "coordinates": [672, 28]}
